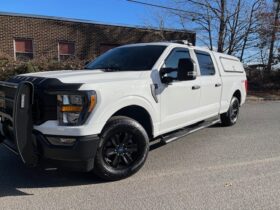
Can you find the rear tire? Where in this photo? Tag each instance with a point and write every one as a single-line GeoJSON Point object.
{"type": "Point", "coordinates": [123, 149]}
{"type": "Point", "coordinates": [230, 117]}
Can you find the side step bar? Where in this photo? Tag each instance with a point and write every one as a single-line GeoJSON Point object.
{"type": "Point", "coordinates": [188, 130]}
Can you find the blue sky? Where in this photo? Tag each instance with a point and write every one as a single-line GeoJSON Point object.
{"type": "Point", "coordinates": [109, 11]}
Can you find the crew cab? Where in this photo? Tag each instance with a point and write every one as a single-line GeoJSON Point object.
{"type": "Point", "coordinates": [103, 118]}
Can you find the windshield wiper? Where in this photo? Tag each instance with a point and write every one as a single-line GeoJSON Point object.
{"type": "Point", "coordinates": [110, 69]}
{"type": "Point", "coordinates": [106, 68]}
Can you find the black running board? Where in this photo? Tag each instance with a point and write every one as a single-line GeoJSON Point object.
{"type": "Point", "coordinates": [176, 135]}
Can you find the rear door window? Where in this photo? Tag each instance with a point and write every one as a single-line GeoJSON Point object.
{"type": "Point", "coordinates": [206, 64]}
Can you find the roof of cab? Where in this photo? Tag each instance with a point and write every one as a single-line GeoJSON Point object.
{"type": "Point", "coordinates": [171, 43]}
{"type": "Point", "coordinates": [168, 43]}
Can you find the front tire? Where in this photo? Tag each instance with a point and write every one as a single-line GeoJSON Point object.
{"type": "Point", "coordinates": [123, 149]}
{"type": "Point", "coordinates": [230, 117]}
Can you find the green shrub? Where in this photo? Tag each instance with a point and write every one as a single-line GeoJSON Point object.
{"type": "Point", "coordinates": [9, 67]}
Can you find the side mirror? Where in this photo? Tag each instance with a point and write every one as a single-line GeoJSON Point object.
{"type": "Point", "coordinates": [186, 70]}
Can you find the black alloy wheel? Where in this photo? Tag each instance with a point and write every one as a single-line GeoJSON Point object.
{"type": "Point", "coordinates": [123, 149]}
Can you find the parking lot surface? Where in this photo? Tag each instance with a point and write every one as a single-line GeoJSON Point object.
{"type": "Point", "coordinates": [216, 168]}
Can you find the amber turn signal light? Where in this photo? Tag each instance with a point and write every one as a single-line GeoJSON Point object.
{"type": "Point", "coordinates": [71, 109]}
{"type": "Point", "coordinates": [92, 103]}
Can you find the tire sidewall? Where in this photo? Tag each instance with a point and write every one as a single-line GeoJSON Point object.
{"type": "Point", "coordinates": [233, 100]}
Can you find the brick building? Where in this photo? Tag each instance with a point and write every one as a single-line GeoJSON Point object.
{"type": "Point", "coordinates": [29, 36]}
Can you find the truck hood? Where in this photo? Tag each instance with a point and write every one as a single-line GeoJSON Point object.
{"type": "Point", "coordinates": [87, 76]}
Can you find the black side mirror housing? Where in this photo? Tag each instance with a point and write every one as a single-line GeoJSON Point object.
{"type": "Point", "coordinates": [186, 70]}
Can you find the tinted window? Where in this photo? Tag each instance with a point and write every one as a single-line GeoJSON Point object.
{"type": "Point", "coordinates": [135, 58]}
{"type": "Point", "coordinates": [205, 63]}
{"type": "Point", "coordinates": [172, 60]}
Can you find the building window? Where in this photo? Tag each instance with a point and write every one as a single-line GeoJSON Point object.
{"type": "Point", "coordinates": [66, 50]}
{"type": "Point", "coordinates": [105, 47]}
{"type": "Point", "coordinates": [23, 49]}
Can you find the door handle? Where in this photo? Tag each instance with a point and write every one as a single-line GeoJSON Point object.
{"type": "Point", "coordinates": [195, 87]}
{"type": "Point", "coordinates": [218, 85]}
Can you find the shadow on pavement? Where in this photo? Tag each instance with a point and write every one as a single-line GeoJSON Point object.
{"type": "Point", "coordinates": [156, 144]}
{"type": "Point", "coordinates": [14, 176]}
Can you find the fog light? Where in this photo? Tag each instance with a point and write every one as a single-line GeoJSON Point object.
{"type": "Point", "coordinates": [62, 141]}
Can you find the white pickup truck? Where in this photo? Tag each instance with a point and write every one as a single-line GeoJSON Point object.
{"type": "Point", "coordinates": [102, 118]}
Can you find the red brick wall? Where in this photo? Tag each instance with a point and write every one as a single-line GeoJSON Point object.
{"type": "Point", "coordinates": [88, 37]}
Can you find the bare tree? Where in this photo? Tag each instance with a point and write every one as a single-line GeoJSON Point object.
{"type": "Point", "coordinates": [268, 35]}
{"type": "Point", "coordinates": [228, 25]}
{"type": "Point", "coordinates": [252, 25]}
{"type": "Point", "coordinates": [158, 19]}
{"type": "Point", "coordinates": [273, 35]}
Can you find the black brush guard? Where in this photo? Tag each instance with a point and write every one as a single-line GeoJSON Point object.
{"type": "Point", "coordinates": [16, 101]}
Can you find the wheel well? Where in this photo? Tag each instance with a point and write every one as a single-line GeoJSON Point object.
{"type": "Point", "coordinates": [140, 115]}
{"type": "Point", "coordinates": [237, 94]}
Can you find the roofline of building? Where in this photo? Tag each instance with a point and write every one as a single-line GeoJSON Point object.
{"type": "Point", "coordinates": [45, 17]}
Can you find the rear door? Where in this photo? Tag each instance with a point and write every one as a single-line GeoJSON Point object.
{"type": "Point", "coordinates": [211, 85]}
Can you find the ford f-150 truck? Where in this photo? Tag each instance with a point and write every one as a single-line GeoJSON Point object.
{"type": "Point", "coordinates": [102, 118]}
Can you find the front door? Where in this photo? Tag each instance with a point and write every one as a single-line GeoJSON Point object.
{"type": "Point", "coordinates": [179, 100]}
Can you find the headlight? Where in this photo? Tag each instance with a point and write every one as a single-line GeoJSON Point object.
{"type": "Point", "coordinates": [74, 109]}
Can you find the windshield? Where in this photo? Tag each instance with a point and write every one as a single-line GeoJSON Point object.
{"type": "Point", "coordinates": [137, 58]}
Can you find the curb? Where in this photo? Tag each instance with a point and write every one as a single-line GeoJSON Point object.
{"type": "Point", "coordinates": [263, 99]}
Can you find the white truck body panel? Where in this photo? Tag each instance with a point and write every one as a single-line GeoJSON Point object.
{"type": "Point", "coordinates": [232, 80]}
{"type": "Point", "coordinates": [178, 104]}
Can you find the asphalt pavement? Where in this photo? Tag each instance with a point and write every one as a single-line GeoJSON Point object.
{"type": "Point", "coordinates": [216, 168]}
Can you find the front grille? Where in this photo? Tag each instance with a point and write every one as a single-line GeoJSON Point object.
{"type": "Point", "coordinates": [44, 104]}
{"type": "Point", "coordinates": [6, 99]}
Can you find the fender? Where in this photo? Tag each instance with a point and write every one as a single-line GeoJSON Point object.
{"type": "Point", "coordinates": [108, 111]}
{"type": "Point", "coordinates": [226, 103]}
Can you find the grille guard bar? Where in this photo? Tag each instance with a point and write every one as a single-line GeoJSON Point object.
{"type": "Point", "coordinates": [20, 117]}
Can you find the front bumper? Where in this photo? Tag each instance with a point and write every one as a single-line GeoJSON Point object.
{"type": "Point", "coordinates": [19, 135]}
{"type": "Point", "coordinates": [78, 157]}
